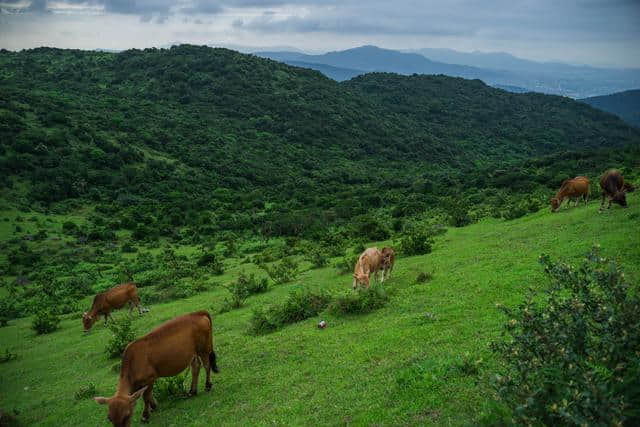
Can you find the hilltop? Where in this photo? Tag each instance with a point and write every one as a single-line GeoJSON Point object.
{"type": "Point", "coordinates": [625, 105]}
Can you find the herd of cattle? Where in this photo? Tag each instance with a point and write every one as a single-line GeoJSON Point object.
{"type": "Point", "coordinates": [612, 186]}
{"type": "Point", "coordinates": [188, 340]}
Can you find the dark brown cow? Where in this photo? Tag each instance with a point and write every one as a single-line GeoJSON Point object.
{"type": "Point", "coordinates": [388, 260]}
{"type": "Point", "coordinates": [370, 261]}
{"type": "Point", "coordinates": [164, 352]}
{"type": "Point", "coordinates": [613, 187]}
{"type": "Point", "coordinates": [571, 188]}
{"type": "Point", "coordinates": [112, 299]}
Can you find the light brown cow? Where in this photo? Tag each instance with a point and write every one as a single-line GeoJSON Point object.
{"type": "Point", "coordinates": [164, 352]}
{"type": "Point", "coordinates": [370, 261]}
{"type": "Point", "coordinates": [388, 260]}
{"type": "Point", "coordinates": [571, 188]}
{"type": "Point", "coordinates": [112, 299]}
{"type": "Point", "coordinates": [613, 187]}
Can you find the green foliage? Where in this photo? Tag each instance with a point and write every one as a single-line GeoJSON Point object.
{"type": "Point", "coordinates": [85, 391]}
{"type": "Point", "coordinates": [424, 277]}
{"type": "Point", "coordinates": [359, 302]}
{"type": "Point", "coordinates": [171, 388]}
{"type": "Point", "coordinates": [346, 264]}
{"type": "Point", "coordinates": [211, 262]}
{"type": "Point", "coordinates": [318, 257]}
{"type": "Point", "coordinates": [284, 271]}
{"type": "Point", "coordinates": [122, 333]}
{"type": "Point", "coordinates": [416, 242]}
{"type": "Point", "coordinates": [7, 356]}
{"type": "Point", "coordinates": [45, 321]}
{"type": "Point", "coordinates": [241, 289]}
{"type": "Point", "coordinates": [571, 354]}
{"type": "Point", "coordinates": [299, 305]}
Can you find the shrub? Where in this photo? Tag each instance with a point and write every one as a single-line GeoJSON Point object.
{"type": "Point", "coordinates": [318, 258]}
{"type": "Point", "coordinates": [212, 262]}
{"type": "Point", "coordinates": [241, 289]}
{"type": "Point", "coordinates": [416, 242]}
{"type": "Point", "coordinates": [8, 310]}
{"type": "Point", "coordinates": [128, 248]}
{"type": "Point", "coordinates": [424, 277]}
{"type": "Point", "coordinates": [69, 227]}
{"type": "Point", "coordinates": [85, 391]}
{"type": "Point", "coordinates": [7, 356]}
{"type": "Point", "coordinates": [122, 333]}
{"type": "Point", "coordinates": [170, 388]}
{"type": "Point", "coordinates": [298, 306]}
{"type": "Point", "coordinates": [362, 301]}
{"type": "Point", "coordinates": [45, 322]}
{"type": "Point", "coordinates": [283, 272]}
{"type": "Point", "coordinates": [571, 354]}
{"type": "Point", "coordinates": [346, 264]}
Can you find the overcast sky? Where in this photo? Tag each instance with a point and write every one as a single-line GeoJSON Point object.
{"type": "Point", "coordinates": [598, 32]}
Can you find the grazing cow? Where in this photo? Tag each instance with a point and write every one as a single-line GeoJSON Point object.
{"type": "Point", "coordinates": [388, 259]}
{"type": "Point", "coordinates": [109, 300]}
{"type": "Point", "coordinates": [613, 187]}
{"type": "Point", "coordinates": [164, 352]}
{"type": "Point", "coordinates": [571, 188]}
{"type": "Point", "coordinates": [370, 261]}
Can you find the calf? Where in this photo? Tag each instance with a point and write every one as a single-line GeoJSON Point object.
{"type": "Point", "coordinates": [164, 352]}
{"type": "Point", "coordinates": [613, 187]}
{"type": "Point", "coordinates": [109, 300]}
{"type": "Point", "coordinates": [370, 261]}
{"type": "Point", "coordinates": [388, 260]}
{"type": "Point", "coordinates": [576, 188]}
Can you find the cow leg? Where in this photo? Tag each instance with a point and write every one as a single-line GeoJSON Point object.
{"type": "Point", "coordinates": [149, 403]}
{"type": "Point", "coordinates": [106, 318]}
{"type": "Point", "coordinates": [204, 357]}
{"type": "Point", "coordinates": [602, 202]}
{"type": "Point", "coordinates": [195, 370]}
{"type": "Point", "coordinates": [111, 318]}
{"type": "Point", "coordinates": [136, 302]}
{"type": "Point", "coordinates": [130, 308]}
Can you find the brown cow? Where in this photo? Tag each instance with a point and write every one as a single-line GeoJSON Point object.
{"type": "Point", "coordinates": [571, 188]}
{"type": "Point", "coordinates": [111, 299]}
{"type": "Point", "coordinates": [370, 261]}
{"type": "Point", "coordinates": [164, 352]}
{"type": "Point", "coordinates": [388, 260]}
{"type": "Point", "coordinates": [613, 187]}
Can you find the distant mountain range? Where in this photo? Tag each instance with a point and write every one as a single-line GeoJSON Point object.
{"type": "Point", "coordinates": [625, 105]}
{"type": "Point", "coordinates": [500, 70]}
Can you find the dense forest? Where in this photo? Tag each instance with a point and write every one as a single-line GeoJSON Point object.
{"type": "Point", "coordinates": [625, 105]}
{"type": "Point", "coordinates": [193, 141]}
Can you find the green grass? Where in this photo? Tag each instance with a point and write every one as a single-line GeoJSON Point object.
{"type": "Point", "coordinates": [396, 366]}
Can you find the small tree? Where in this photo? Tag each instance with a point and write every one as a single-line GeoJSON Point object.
{"type": "Point", "coordinates": [122, 334]}
{"type": "Point", "coordinates": [572, 354]}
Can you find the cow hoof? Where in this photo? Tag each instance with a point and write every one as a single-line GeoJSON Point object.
{"type": "Point", "coordinates": [144, 419]}
{"type": "Point", "coordinates": [193, 393]}
{"type": "Point", "coordinates": [207, 387]}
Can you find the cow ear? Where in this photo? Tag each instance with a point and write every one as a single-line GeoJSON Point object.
{"type": "Point", "coordinates": [101, 400]}
{"type": "Point", "coordinates": [135, 396]}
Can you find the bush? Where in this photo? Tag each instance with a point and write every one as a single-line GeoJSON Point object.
{"type": "Point", "coordinates": [8, 310]}
{"type": "Point", "coordinates": [86, 391]}
{"type": "Point", "coordinates": [571, 354]}
{"type": "Point", "coordinates": [122, 333]}
{"type": "Point", "coordinates": [416, 242]}
{"type": "Point", "coordinates": [241, 289]}
{"type": "Point", "coordinates": [128, 248]}
{"type": "Point", "coordinates": [283, 272]}
{"type": "Point", "coordinates": [7, 356]}
{"type": "Point", "coordinates": [318, 258]}
{"type": "Point", "coordinates": [346, 264]}
{"type": "Point", "coordinates": [212, 262]}
{"type": "Point", "coordinates": [424, 277]}
{"type": "Point", "coordinates": [362, 301]}
{"type": "Point", "coordinates": [298, 306]}
{"type": "Point", "coordinates": [170, 388]}
{"type": "Point", "coordinates": [45, 322]}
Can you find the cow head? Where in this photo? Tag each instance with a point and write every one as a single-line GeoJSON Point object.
{"type": "Point", "coordinates": [360, 279]}
{"type": "Point", "coordinates": [121, 407]}
{"type": "Point", "coordinates": [555, 204]}
{"type": "Point", "coordinates": [620, 198]}
{"type": "Point", "coordinates": [87, 321]}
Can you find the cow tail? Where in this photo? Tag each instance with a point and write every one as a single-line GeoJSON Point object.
{"type": "Point", "coordinates": [212, 362]}
{"type": "Point", "coordinates": [212, 355]}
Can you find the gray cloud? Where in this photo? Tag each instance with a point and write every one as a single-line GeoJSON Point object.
{"type": "Point", "coordinates": [594, 30]}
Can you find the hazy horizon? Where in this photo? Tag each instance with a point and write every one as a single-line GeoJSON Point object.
{"type": "Point", "coordinates": [584, 32]}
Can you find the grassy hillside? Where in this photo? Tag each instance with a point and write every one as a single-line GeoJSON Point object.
{"type": "Point", "coordinates": [398, 365]}
{"type": "Point", "coordinates": [625, 105]}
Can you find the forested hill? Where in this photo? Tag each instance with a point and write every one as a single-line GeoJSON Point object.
{"type": "Point", "coordinates": [625, 105]}
{"type": "Point", "coordinates": [223, 141]}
